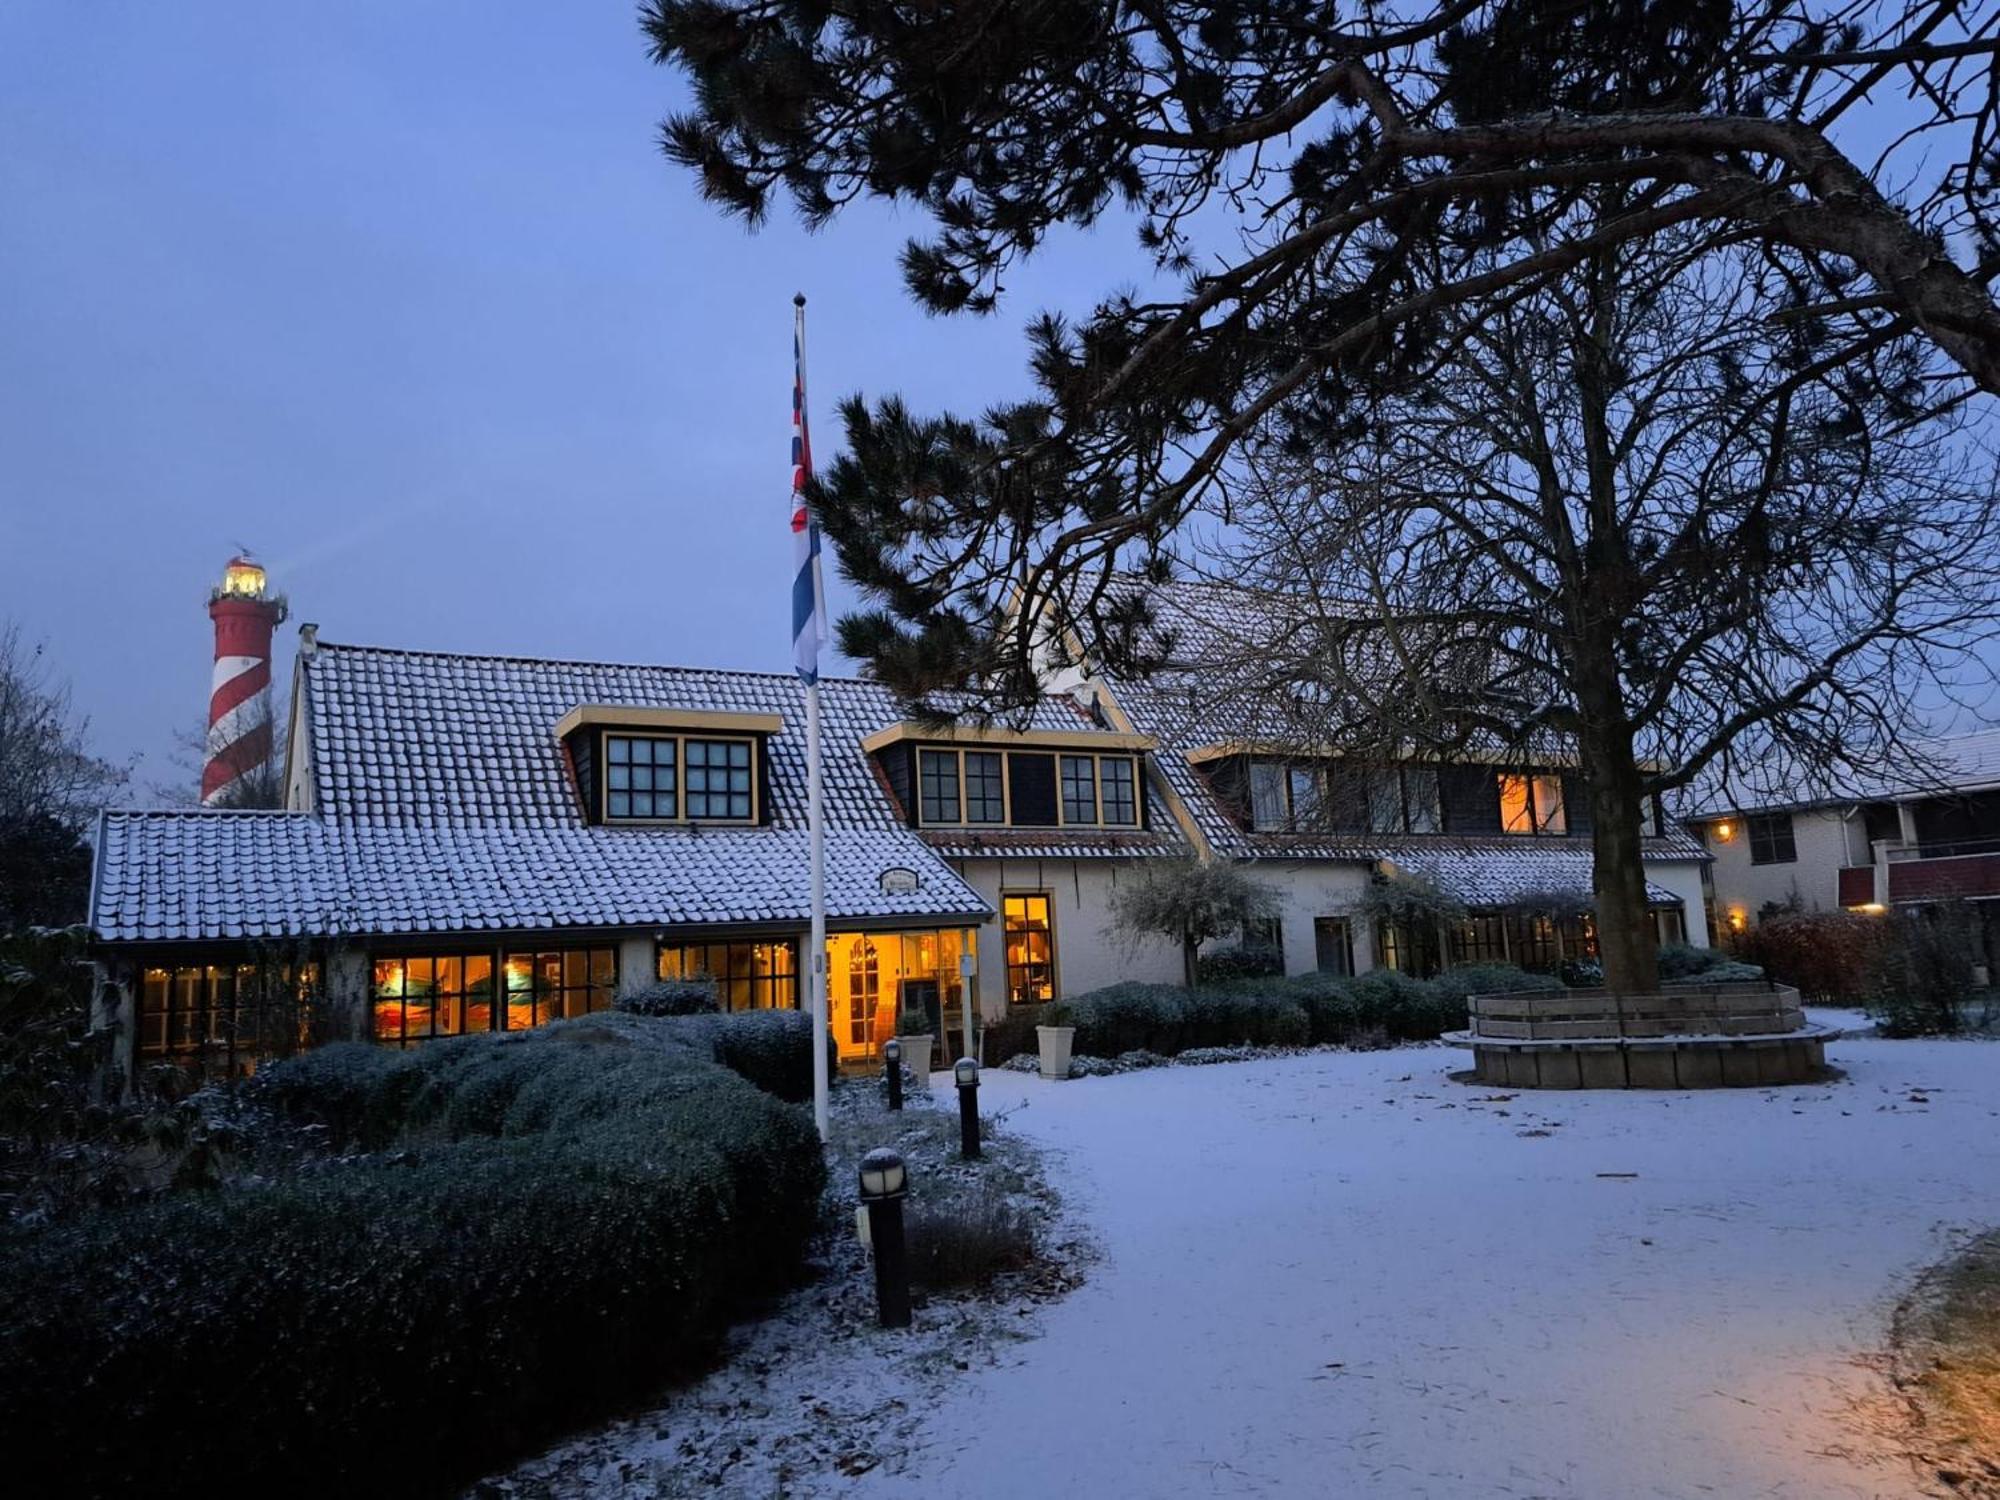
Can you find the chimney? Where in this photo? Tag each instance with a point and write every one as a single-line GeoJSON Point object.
{"type": "Point", "coordinates": [239, 699]}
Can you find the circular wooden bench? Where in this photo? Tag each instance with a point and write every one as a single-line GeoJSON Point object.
{"type": "Point", "coordinates": [1685, 1037]}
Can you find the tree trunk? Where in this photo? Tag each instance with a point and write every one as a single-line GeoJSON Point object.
{"type": "Point", "coordinates": [1627, 938]}
{"type": "Point", "coordinates": [1190, 961]}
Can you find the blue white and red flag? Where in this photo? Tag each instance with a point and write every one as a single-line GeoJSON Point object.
{"type": "Point", "coordinates": [808, 593]}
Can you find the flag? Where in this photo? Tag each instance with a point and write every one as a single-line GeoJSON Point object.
{"type": "Point", "coordinates": [808, 594]}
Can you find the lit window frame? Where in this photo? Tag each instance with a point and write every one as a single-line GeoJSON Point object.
{"type": "Point", "coordinates": [1543, 817]}
{"type": "Point", "coordinates": [1018, 988]}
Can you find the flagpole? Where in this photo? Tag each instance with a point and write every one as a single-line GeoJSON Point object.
{"type": "Point", "coordinates": [815, 791]}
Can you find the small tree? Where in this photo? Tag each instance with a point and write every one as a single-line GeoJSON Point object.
{"type": "Point", "coordinates": [1191, 902]}
{"type": "Point", "coordinates": [50, 789]}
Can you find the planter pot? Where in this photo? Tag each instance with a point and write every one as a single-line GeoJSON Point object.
{"type": "Point", "coordinates": [1054, 1042]}
{"type": "Point", "coordinates": [917, 1058]}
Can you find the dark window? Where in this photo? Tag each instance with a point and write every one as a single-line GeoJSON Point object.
{"type": "Point", "coordinates": [1120, 790]}
{"type": "Point", "coordinates": [227, 1015]}
{"type": "Point", "coordinates": [1031, 784]}
{"type": "Point", "coordinates": [1421, 805]}
{"type": "Point", "coordinates": [937, 785]}
{"type": "Point", "coordinates": [1411, 950]}
{"type": "Point", "coordinates": [640, 777]}
{"type": "Point", "coordinates": [1268, 810]}
{"type": "Point", "coordinates": [1333, 946]}
{"type": "Point", "coordinates": [718, 779]}
{"type": "Point", "coordinates": [985, 789]}
{"type": "Point", "coordinates": [1265, 933]}
{"type": "Point", "coordinates": [1771, 841]}
{"type": "Point", "coordinates": [1303, 784]}
{"type": "Point", "coordinates": [748, 976]}
{"type": "Point", "coordinates": [1673, 924]}
{"type": "Point", "coordinates": [1479, 940]}
{"type": "Point", "coordinates": [1030, 946]}
{"type": "Point", "coordinates": [1079, 789]}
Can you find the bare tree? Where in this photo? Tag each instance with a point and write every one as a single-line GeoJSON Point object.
{"type": "Point", "coordinates": [263, 786]}
{"type": "Point", "coordinates": [51, 787]}
{"type": "Point", "coordinates": [1638, 525]}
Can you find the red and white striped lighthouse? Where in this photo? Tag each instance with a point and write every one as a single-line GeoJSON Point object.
{"type": "Point", "coordinates": [239, 699]}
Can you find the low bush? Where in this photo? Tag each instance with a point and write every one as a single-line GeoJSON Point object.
{"type": "Point", "coordinates": [671, 997]}
{"type": "Point", "coordinates": [967, 1237]}
{"type": "Point", "coordinates": [1920, 976]}
{"type": "Point", "coordinates": [1827, 956]}
{"type": "Point", "coordinates": [1124, 1018]}
{"type": "Point", "coordinates": [1685, 961]}
{"type": "Point", "coordinates": [1735, 971]}
{"type": "Point", "coordinates": [1240, 961]}
{"type": "Point", "coordinates": [1014, 1033]}
{"type": "Point", "coordinates": [542, 1224]}
{"type": "Point", "coordinates": [1259, 1017]}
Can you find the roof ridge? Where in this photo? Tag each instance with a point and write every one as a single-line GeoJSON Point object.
{"type": "Point", "coordinates": [577, 661]}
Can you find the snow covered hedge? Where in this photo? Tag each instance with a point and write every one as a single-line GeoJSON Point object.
{"type": "Point", "coordinates": [1310, 1008]}
{"type": "Point", "coordinates": [492, 1238]}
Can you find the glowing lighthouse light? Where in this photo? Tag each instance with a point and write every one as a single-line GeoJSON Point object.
{"type": "Point", "coordinates": [239, 698]}
{"type": "Point", "coordinates": [242, 579]}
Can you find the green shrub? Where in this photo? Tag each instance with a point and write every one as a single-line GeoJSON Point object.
{"type": "Point", "coordinates": [1240, 961]}
{"type": "Point", "coordinates": [671, 997]}
{"type": "Point", "coordinates": [1124, 1018]}
{"type": "Point", "coordinates": [1013, 1035]}
{"type": "Point", "coordinates": [773, 1049]}
{"type": "Point", "coordinates": [1684, 961]}
{"type": "Point", "coordinates": [1733, 972]}
{"type": "Point", "coordinates": [553, 1221]}
{"type": "Point", "coordinates": [1261, 1017]}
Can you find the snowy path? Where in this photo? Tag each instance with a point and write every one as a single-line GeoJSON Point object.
{"type": "Point", "coordinates": [1344, 1274]}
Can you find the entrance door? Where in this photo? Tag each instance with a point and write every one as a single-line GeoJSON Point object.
{"type": "Point", "coordinates": [1333, 945]}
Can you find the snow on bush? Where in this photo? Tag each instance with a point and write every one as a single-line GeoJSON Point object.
{"type": "Point", "coordinates": [501, 1235]}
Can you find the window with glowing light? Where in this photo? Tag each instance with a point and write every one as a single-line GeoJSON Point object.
{"type": "Point", "coordinates": [421, 996]}
{"type": "Point", "coordinates": [747, 976]}
{"type": "Point", "coordinates": [1532, 804]}
{"type": "Point", "coordinates": [1030, 945]}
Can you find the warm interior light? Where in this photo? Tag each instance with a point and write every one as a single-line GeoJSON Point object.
{"type": "Point", "coordinates": [1738, 920]}
{"type": "Point", "coordinates": [1873, 908]}
{"type": "Point", "coordinates": [243, 579]}
{"type": "Point", "coordinates": [1725, 832]}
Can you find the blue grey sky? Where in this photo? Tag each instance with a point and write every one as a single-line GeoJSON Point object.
{"type": "Point", "coordinates": [401, 294]}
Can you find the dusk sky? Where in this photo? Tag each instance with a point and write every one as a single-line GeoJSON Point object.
{"type": "Point", "coordinates": [405, 298]}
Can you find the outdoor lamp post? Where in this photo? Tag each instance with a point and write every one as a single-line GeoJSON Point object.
{"type": "Point", "coordinates": [892, 1069]}
{"type": "Point", "coordinates": [966, 1072]}
{"type": "Point", "coordinates": [883, 1183]}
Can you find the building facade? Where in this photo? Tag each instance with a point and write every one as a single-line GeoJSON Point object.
{"type": "Point", "coordinates": [476, 843]}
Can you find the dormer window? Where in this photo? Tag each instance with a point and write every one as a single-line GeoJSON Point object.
{"type": "Point", "coordinates": [996, 778]}
{"type": "Point", "coordinates": [679, 778]}
{"type": "Point", "coordinates": [654, 765]}
{"type": "Point", "coordinates": [1532, 804]}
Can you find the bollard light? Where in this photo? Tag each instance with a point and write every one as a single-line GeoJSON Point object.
{"type": "Point", "coordinates": [884, 1180]}
{"type": "Point", "coordinates": [966, 1072]}
{"type": "Point", "coordinates": [892, 1071]}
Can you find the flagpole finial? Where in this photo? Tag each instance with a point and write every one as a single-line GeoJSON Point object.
{"type": "Point", "coordinates": [798, 299]}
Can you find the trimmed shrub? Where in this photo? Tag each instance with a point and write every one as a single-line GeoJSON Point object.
{"type": "Point", "coordinates": [1684, 961]}
{"type": "Point", "coordinates": [1237, 961]}
{"type": "Point", "coordinates": [671, 997]}
{"type": "Point", "coordinates": [1124, 1018]}
{"type": "Point", "coordinates": [1243, 1017]}
{"type": "Point", "coordinates": [1733, 972]}
{"type": "Point", "coordinates": [1014, 1033]}
{"type": "Point", "coordinates": [1827, 956]}
{"type": "Point", "coordinates": [552, 1221]}
{"type": "Point", "coordinates": [773, 1049]}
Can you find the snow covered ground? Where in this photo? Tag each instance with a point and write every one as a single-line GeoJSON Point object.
{"type": "Point", "coordinates": [1344, 1274]}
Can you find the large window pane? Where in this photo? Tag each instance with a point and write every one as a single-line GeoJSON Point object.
{"type": "Point", "coordinates": [1079, 789]}
{"type": "Point", "coordinates": [937, 785]}
{"type": "Point", "coordinates": [1120, 790]}
{"type": "Point", "coordinates": [985, 787]}
{"type": "Point", "coordinates": [716, 779]}
{"type": "Point", "coordinates": [1549, 814]}
{"type": "Point", "coordinates": [1267, 796]}
{"type": "Point", "coordinates": [1517, 813]}
{"type": "Point", "coordinates": [1307, 805]}
{"type": "Point", "coordinates": [1030, 946]}
{"type": "Point", "coordinates": [1385, 801]}
{"type": "Point", "coordinates": [1420, 799]}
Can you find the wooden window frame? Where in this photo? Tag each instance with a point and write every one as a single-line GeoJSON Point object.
{"type": "Point", "coordinates": [496, 999]}
{"type": "Point", "coordinates": [1097, 758]}
{"type": "Point", "coordinates": [1048, 900]}
{"type": "Point", "coordinates": [680, 739]}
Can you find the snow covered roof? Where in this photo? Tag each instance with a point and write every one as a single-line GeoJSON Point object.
{"type": "Point", "coordinates": [443, 802]}
{"type": "Point", "coordinates": [1941, 766]}
{"type": "Point", "coordinates": [442, 738]}
{"type": "Point", "coordinates": [1499, 872]}
{"type": "Point", "coordinates": [176, 876]}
